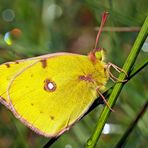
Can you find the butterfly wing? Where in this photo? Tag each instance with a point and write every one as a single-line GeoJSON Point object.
{"type": "Point", "coordinates": [10, 69]}
{"type": "Point", "coordinates": [7, 72]}
{"type": "Point", "coordinates": [48, 95]}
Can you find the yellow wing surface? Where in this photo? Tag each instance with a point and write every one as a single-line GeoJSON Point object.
{"type": "Point", "coordinates": [7, 73]}
{"type": "Point", "coordinates": [49, 94]}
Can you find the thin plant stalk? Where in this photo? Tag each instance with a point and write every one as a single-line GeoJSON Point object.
{"type": "Point", "coordinates": [123, 139]}
{"type": "Point", "coordinates": [118, 86]}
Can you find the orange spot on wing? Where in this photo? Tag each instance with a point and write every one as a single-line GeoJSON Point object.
{"type": "Point", "coordinates": [7, 65]}
{"type": "Point", "coordinates": [44, 63]}
{"type": "Point", "coordinates": [16, 62]}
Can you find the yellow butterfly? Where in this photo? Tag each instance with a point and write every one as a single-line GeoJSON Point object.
{"type": "Point", "coordinates": [51, 92]}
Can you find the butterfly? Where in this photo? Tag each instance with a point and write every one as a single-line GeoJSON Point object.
{"type": "Point", "coordinates": [50, 93]}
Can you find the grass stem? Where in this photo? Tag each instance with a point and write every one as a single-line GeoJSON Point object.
{"type": "Point", "coordinates": [91, 143]}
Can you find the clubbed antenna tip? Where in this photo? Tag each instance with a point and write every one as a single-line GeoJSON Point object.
{"type": "Point", "coordinates": [104, 18]}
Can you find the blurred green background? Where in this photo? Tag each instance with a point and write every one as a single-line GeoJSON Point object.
{"type": "Point", "coordinates": [32, 28]}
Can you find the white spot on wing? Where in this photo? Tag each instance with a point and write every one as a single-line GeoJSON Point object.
{"type": "Point", "coordinates": [50, 86]}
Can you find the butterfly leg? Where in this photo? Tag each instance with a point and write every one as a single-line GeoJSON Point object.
{"type": "Point", "coordinates": [118, 69]}
{"type": "Point", "coordinates": [104, 99]}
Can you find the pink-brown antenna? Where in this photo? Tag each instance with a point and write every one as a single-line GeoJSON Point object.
{"type": "Point", "coordinates": [104, 17]}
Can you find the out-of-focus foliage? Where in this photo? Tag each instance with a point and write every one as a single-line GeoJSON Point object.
{"type": "Point", "coordinates": [32, 28]}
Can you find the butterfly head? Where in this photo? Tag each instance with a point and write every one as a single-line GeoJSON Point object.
{"type": "Point", "coordinates": [97, 55]}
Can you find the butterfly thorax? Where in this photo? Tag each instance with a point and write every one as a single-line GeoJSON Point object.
{"type": "Point", "coordinates": [96, 73]}
{"type": "Point", "coordinates": [101, 75]}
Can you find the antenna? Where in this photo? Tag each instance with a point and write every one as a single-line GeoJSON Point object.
{"type": "Point", "coordinates": [104, 18]}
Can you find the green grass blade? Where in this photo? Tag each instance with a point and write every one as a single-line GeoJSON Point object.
{"type": "Point", "coordinates": [118, 86]}
{"type": "Point", "coordinates": [132, 125]}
